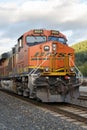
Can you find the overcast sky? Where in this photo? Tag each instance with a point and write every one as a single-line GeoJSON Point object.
{"type": "Point", "coordinates": [19, 16]}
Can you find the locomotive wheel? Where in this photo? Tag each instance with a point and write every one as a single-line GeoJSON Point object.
{"type": "Point", "coordinates": [20, 93]}
{"type": "Point", "coordinates": [25, 94]}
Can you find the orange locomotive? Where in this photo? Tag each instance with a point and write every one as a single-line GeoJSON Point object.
{"type": "Point", "coordinates": [41, 66]}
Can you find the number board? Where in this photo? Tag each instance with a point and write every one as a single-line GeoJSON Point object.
{"type": "Point", "coordinates": [38, 31]}
{"type": "Point", "coordinates": [54, 32]}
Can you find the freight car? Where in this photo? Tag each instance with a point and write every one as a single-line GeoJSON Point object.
{"type": "Point", "coordinates": [41, 66]}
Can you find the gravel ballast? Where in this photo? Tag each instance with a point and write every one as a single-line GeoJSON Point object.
{"type": "Point", "coordinates": [16, 114]}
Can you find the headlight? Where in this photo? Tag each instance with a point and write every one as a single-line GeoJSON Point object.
{"type": "Point", "coordinates": [72, 69]}
{"type": "Point", "coordinates": [46, 48]}
{"type": "Point", "coordinates": [46, 69]}
{"type": "Point", "coordinates": [54, 46]}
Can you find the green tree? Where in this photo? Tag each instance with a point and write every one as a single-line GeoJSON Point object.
{"type": "Point", "coordinates": [81, 56]}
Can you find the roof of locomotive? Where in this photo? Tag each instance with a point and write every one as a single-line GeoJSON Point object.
{"type": "Point", "coordinates": [45, 32]}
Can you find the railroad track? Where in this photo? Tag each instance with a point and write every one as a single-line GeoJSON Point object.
{"type": "Point", "coordinates": [74, 112]}
{"type": "Point", "coordinates": [70, 112]}
{"type": "Point", "coordinates": [83, 94]}
{"type": "Point", "coordinates": [83, 97]}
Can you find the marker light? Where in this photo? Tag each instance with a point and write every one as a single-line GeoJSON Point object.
{"type": "Point", "coordinates": [54, 46]}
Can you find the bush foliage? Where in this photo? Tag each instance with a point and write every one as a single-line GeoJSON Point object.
{"type": "Point", "coordinates": [81, 56]}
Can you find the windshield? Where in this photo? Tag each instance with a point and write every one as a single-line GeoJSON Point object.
{"type": "Point", "coordinates": [34, 40]}
{"type": "Point", "coordinates": [59, 39]}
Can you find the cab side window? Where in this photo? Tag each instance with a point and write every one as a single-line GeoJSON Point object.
{"type": "Point", "coordinates": [20, 43]}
